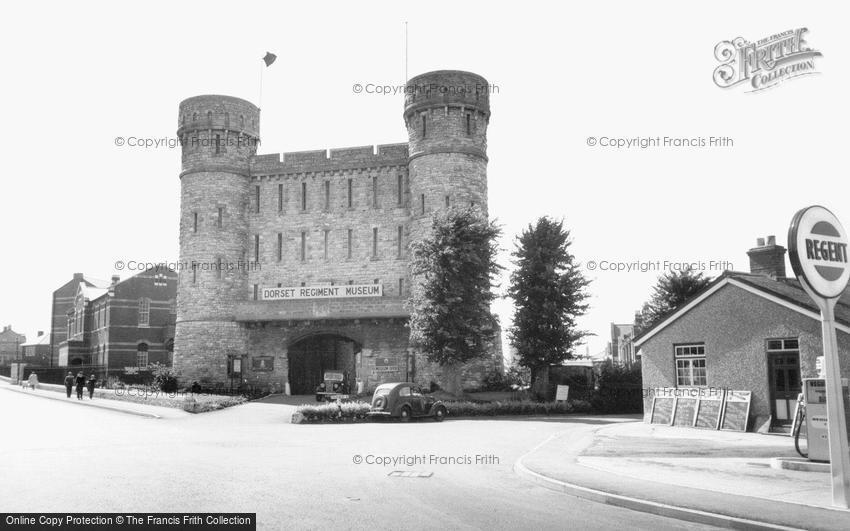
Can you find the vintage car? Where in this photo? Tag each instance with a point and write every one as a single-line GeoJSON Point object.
{"type": "Point", "coordinates": [405, 400]}
{"type": "Point", "coordinates": [332, 388]}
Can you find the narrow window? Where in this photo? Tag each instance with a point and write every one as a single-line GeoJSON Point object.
{"type": "Point", "coordinates": [303, 246]}
{"type": "Point", "coordinates": [375, 242]}
{"type": "Point", "coordinates": [217, 144]}
{"type": "Point", "coordinates": [468, 125]}
{"type": "Point", "coordinates": [448, 202]}
{"type": "Point", "coordinates": [280, 284]}
{"type": "Point", "coordinates": [350, 282]}
{"type": "Point", "coordinates": [424, 125]}
{"type": "Point", "coordinates": [242, 121]}
{"type": "Point", "coordinates": [227, 119]}
{"type": "Point", "coordinates": [279, 246]}
{"type": "Point", "coordinates": [375, 191]}
{"type": "Point", "coordinates": [400, 243]}
{"type": "Point", "coordinates": [256, 248]}
{"type": "Point", "coordinates": [400, 190]}
{"type": "Point", "coordinates": [349, 244]}
{"type": "Point", "coordinates": [194, 274]}
{"type": "Point", "coordinates": [325, 252]}
{"type": "Point", "coordinates": [220, 219]}
{"type": "Point", "coordinates": [350, 193]}
{"type": "Point", "coordinates": [375, 281]}
{"type": "Point", "coordinates": [144, 311]}
{"type": "Point", "coordinates": [257, 198]}
{"type": "Point", "coordinates": [303, 284]}
{"type": "Point", "coordinates": [327, 195]}
{"type": "Point", "coordinates": [280, 198]}
{"type": "Point", "coordinates": [256, 292]}
{"type": "Point", "coordinates": [422, 204]}
{"type": "Point", "coordinates": [400, 287]}
{"type": "Point", "coordinates": [194, 222]}
{"type": "Point", "coordinates": [209, 117]}
{"type": "Point", "coordinates": [303, 196]}
{"type": "Point", "coordinates": [142, 355]}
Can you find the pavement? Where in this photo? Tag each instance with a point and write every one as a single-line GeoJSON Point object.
{"type": "Point", "coordinates": [57, 392]}
{"type": "Point", "coordinates": [713, 477]}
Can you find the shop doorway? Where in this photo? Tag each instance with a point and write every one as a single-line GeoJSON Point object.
{"type": "Point", "coordinates": [785, 383]}
{"type": "Point", "coordinates": [309, 358]}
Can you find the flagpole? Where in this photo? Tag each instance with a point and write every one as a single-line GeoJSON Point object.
{"type": "Point", "coordinates": [260, 98]}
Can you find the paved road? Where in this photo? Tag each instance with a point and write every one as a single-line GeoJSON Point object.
{"type": "Point", "coordinates": [59, 456]}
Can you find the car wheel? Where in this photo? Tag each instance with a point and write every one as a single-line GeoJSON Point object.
{"type": "Point", "coordinates": [439, 413]}
{"type": "Point", "coordinates": [404, 414]}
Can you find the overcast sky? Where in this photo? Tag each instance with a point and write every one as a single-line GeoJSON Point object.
{"type": "Point", "coordinates": [76, 77]}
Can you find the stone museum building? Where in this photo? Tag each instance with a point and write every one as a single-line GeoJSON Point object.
{"type": "Point", "coordinates": [297, 263]}
{"type": "Point", "coordinates": [754, 331]}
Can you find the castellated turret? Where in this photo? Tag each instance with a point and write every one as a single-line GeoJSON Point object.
{"type": "Point", "coordinates": [219, 136]}
{"type": "Point", "coordinates": [446, 114]}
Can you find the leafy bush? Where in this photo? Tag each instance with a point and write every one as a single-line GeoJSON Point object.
{"type": "Point", "coordinates": [618, 389]}
{"type": "Point", "coordinates": [164, 378]}
{"type": "Point", "coordinates": [333, 412]}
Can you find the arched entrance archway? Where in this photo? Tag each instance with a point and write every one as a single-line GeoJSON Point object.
{"type": "Point", "coordinates": [310, 357]}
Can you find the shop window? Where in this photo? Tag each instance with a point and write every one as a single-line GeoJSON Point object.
{"type": "Point", "coordinates": [690, 365]}
{"type": "Point", "coordinates": [350, 193]}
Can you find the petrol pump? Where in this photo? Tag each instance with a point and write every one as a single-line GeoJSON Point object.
{"type": "Point", "coordinates": [812, 408]}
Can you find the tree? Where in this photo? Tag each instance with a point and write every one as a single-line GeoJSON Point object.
{"type": "Point", "coordinates": [549, 294]}
{"type": "Point", "coordinates": [455, 267]}
{"type": "Point", "coordinates": [671, 290]}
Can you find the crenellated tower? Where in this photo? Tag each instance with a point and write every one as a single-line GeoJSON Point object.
{"type": "Point", "coordinates": [446, 113]}
{"type": "Point", "coordinates": [219, 136]}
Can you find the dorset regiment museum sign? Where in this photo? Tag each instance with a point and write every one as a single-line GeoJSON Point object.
{"type": "Point", "coordinates": [322, 292]}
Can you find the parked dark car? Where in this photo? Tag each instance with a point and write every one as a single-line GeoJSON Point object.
{"type": "Point", "coordinates": [404, 400]}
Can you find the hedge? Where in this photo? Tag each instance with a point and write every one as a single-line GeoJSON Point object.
{"type": "Point", "coordinates": [518, 407]}
{"type": "Point", "coordinates": [357, 411]}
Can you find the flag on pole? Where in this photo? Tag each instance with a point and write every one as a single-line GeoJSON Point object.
{"type": "Point", "coordinates": [269, 58]}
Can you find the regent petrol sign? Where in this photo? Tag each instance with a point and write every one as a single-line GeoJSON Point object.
{"type": "Point", "coordinates": [818, 250]}
{"type": "Point", "coordinates": [322, 292]}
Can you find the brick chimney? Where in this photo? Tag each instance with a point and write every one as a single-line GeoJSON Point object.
{"type": "Point", "coordinates": [78, 276]}
{"type": "Point", "coordinates": [767, 258]}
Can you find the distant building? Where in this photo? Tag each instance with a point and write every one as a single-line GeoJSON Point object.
{"type": "Point", "coordinates": [63, 301]}
{"type": "Point", "coordinates": [37, 352]}
{"type": "Point", "coordinates": [621, 349]}
{"type": "Point", "coordinates": [126, 326]}
{"type": "Point", "coordinates": [10, 345]}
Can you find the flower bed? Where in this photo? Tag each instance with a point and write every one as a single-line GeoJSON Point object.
{"type": "Point", "coordinates": [333, 412]}
{"type": "Point", "coordinates": [191, 402]}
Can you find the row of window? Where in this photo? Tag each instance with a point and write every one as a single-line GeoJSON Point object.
{"type": "Point", "coordinates": [468, 123]}
{"type": "Point", "coordinates": [226, 119]}
{"type": "Point", "coordinates": [690, 360]}
{"type": "Point", "coordinates": [326, 243]}
{"type": "Point", "coordinates": [75, 319]}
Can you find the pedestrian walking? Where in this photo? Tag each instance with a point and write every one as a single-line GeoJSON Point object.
{"type": "Point", "coordinates": [81, 383]}
{"type": "Point", "coordinates": [90, 384]}
{"type": "Point", "coordinates": [32, 381]}
{"type": "Point", "coordinates": [69, 383]}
